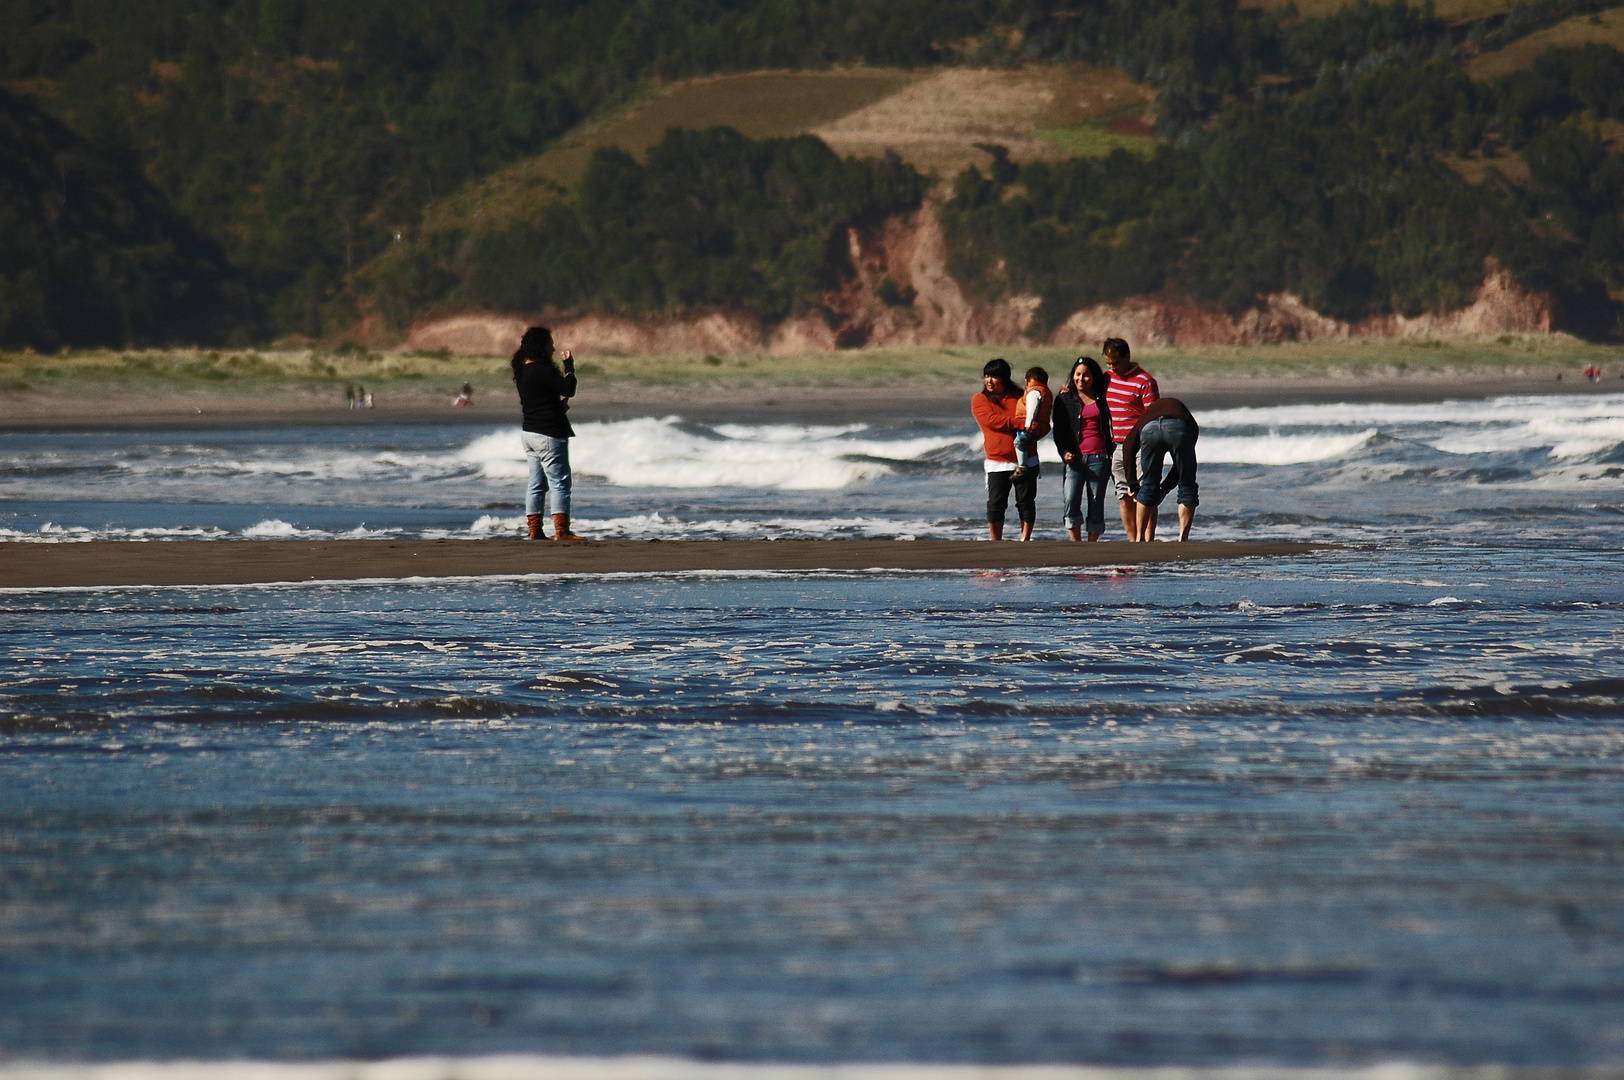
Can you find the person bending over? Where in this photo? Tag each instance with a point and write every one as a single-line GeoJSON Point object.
{"type": "Point", "coordinates": [1167, 428]}
{"type": "Point", "coordinates": [994, 410]}
{"type": "Point", "coordinates": [544, 394]}
{"type": "Point", "coordinates": [1032, 414]}
{"type": "Point", "coordinates": [1130, 391]}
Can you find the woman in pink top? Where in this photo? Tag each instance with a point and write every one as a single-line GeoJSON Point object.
{"type": "Point", "coordinates": [1082, 434]}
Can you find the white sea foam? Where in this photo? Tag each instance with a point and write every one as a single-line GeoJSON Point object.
{"type": "Point", "coordinates": [1569, 425]}
{"type": "Point", "coordinates": [491, 525]}
{"type": "Point", "coordinates": [277, 529]}
{"type": "Point", "coordinates": [649, 452]}
{"type": "Point", "coordinates": [1277, 449]}
{"type": "Point", "coordinates": [271, 529]}
{"type": "Point", "coordinates": [536, 1067]}
{"type": "Point", "coordinates": [657, 526]}
{"type": "Point", "coordinates": [51, 533]}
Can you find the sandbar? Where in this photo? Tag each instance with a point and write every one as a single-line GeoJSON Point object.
{"type": "Point", "coordinates": [248, 562]}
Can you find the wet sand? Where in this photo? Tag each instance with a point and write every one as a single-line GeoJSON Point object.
{"type": "Point", "coordinates": [291, 404]}
{"type": "Point", "coordinates": [247, 562]}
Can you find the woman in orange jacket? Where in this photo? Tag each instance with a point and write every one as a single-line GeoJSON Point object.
{"type": "Point", "coordinates": [995, 412]}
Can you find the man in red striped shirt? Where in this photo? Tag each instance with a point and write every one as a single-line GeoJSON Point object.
{"type": "Point", "coordinates": [1129, 392]}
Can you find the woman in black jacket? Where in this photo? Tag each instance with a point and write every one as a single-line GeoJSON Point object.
{"type": "Point", "coordinates": [1082, 434]}
{"type": "Point", "coordinates": [544, 394]}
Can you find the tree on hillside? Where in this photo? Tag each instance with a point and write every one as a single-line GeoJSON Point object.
{"type": "Point", "coordinates": [92, 254]}
{"type": "Point", "coordinates": [712, 220]}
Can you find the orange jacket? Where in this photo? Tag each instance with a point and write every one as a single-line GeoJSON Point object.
{"type": "Point", "coordinates": [1045, 410]}
{"type": "Point", "coordinates": [996, 415]}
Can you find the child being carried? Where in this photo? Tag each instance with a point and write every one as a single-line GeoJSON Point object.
{"type": "Point", "coordinates": [1032, 414]}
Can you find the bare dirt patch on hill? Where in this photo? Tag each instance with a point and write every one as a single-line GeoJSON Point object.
{"type": "Point", "coordinates": [1444, 9]}
{"type": "Point", "coordinates": [1602, 28]}
{"type": "Point", "coordinates": [935, 123]}
{"type": "Point", "coordinates": [759, 104]}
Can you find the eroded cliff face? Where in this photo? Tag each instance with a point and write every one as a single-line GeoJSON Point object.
{"type": "Point", "coordinates": [1498, 306]}
{"type": "Point", "coordinates": [899, 292]}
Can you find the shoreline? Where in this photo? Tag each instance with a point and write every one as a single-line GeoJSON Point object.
{"type": "Point", "coordinates": [136, 564]}
{"type": "Point", "coordinates": [180, 407]}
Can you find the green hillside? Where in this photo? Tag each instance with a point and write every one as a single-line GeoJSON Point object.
{"type": "Point", "coordinates": [1340, 194]}
{"type": "Point", "coordinates": [298, 145]}
{"type": "Point", "coordinates": [1443, 9]}
{"type": "Point", "coordinates": [92, 254]}
{"type": "Point", "coordinates": [1595, 28]}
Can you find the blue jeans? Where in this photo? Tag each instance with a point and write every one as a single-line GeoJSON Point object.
{"type": "Point", "coordinates": [1023, 447]}
{"type": "Point", "coordinates": [1088, 473]}
{"type": "Point", "coordinates": [1167, 435]}
{"type": "Point", "coordinates": [549, 473]}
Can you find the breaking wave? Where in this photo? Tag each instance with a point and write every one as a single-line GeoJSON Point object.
{"type": "Point", "coordinates": [669, 453]}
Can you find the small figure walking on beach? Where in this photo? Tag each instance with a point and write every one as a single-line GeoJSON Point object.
{"type": "Point", "coordinates": [349, 395]}
{"type": "Point", "coordinates": [995, 411]}
{"type": "Point", "coordinates": [465, 397]}
{"type": "Point", "coordinates": [544, 394]}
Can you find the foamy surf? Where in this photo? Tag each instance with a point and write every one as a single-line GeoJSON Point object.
{"type": "Point", "coordinates": [1332, 471]}
{"type": "Point", "coordinates": [539, 1067]}
{"type": "Point", "coordinates": [668, 453]}
{"type": "Point", "coordinates": [658, 526]}
{"type": "Point", "coordinates": [1568, 426]}
{"type": "Point", "coordinates": [1277, 449]}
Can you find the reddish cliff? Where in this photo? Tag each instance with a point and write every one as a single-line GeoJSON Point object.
{"type": "Point", "coordinates": [899, 292]}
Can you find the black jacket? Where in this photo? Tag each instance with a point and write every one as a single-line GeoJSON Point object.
{"type": "Point", "coordinates": [544, 395]}
{"type": "Point", "coordinates": [1068, 422]}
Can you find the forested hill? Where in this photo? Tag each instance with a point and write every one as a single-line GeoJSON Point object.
{"type": "Point", "coordinates": [277, 146]}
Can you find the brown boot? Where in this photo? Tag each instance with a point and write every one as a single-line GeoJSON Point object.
{"type": "Point", "coordinates": [534, 521]}
{"type": "Point", "coordinates": [561, 529]}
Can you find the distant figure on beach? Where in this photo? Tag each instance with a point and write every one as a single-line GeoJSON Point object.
{"type": "Point", "coordinates": [995, 411]}
{"type": "Point", "coordinates": [544, 394]}
{"type": "Point", "coordinates": [1033, 414]}
{"type": "Point", "coordinates": [465, 396]}
{"type": "Point", "coordinates": [1082, 434]}
{"type": "Point", "coordinates": [1167, 428]}
{"type": "Point", "coordinates": [1593, 373]}
{"type": "Point", "coordinates": [349, 395]}
{"type": "Point", "coordinates": [1129, 392]}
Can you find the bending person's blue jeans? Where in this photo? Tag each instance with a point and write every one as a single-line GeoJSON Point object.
{"type": "Point", "coordinates": [1159, 438]}
{"type": "Point", "coordinates": [1086, 474]}
{"type": "Point", "coordinates": [549, 473]}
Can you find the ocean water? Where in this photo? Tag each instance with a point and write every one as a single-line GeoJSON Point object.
{"type": "Point", "coordinates": [1341, 810]}
{"type": "Point", "coordinates": [1511, 467]}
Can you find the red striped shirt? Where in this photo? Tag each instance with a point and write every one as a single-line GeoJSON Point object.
{"type": "Point", "coordinates": [1127, 396]}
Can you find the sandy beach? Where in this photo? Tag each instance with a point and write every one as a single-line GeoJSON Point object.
{"type": "Point", "coordinates": [248, 562]}
{"type": "Point", "coordinates": [210, 390]}
{"type": "Point", "coordinates": [831, 403]}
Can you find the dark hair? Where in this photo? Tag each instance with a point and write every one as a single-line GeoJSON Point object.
{"type": "Point", "coordinates": [998, 368]}
{"type": "Point", "coordinates": [537, 344]}
{"type": "Point", "coordinates": [1116, 349]}
{"type": "Point", "coordinates": [1096, 377]}
{"type": "Point", "coordinates": [1037, 373]}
